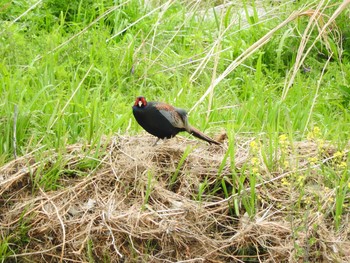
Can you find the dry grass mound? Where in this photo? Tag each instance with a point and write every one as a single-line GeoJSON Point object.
{"type": "Point", "coordinates": [130, 202]}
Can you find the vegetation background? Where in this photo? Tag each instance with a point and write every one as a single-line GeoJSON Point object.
{"type": "Point", "coordinates": [276, 72]}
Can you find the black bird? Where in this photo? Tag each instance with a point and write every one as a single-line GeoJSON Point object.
{"type": "Point", "coordinates": [163, 120]}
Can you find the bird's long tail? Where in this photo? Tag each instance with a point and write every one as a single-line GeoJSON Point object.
{"type": "Point", "coordinates": [201, 135]}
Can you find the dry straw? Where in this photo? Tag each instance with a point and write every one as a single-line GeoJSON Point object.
{"type": "Point", "coordinates": [103, 215]}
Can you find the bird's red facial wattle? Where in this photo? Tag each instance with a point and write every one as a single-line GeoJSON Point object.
{"type": "Point", "coordinates": [140, 102]}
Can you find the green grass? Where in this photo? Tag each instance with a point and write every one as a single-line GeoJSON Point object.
{"type": "Point", "coordinates": [74, 69]}
{"type": "Point", "coordinates": [148, 190]}
{"type": "Point", "coordinates": [174, 177]}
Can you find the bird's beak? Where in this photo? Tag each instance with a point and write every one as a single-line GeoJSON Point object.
{"type": "Point", "coordinates": [140, 103]}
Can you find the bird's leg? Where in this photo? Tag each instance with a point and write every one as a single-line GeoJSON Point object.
{"type": "Point", "coordinates": [155, 143]}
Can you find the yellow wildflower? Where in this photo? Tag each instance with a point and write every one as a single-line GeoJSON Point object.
{"type": "Point", "coordinates": [343, 165]}
{"type": "Point", "coordinates": [254, 161]}
{"type": "Point", "coordinates": [255, 170]}
{"type": "Point", "coordinates": [314, 134]}
{"type": "Point", "coordinates": [338, 154]}
{"type": "Point", "coordinates": [285, 182]}
{"type": "Point", "coordinates": [312, 160]}
{"type": "Point", "coordinates": [309, 136]}
{"type": "Point", "coordinates": [283, 138]}
{"type": "Point", "coordinates": [300, 180]}
{"type": "Point", "coordinates": [321, 143]}
{"type": "Point", "coordinates": [308, 200]}
{"type": "Point", "coordinates": [254, 146]}
{"type": "Point", "coordinates": [316, 131]}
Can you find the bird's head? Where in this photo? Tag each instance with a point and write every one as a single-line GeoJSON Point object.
{"type": "Point", "coordinates": [140, 102]}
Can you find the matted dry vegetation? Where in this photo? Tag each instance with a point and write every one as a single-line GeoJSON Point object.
{"type": "Point", "coordinates": [105, 214]}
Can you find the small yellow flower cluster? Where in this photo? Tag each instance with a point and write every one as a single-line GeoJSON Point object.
{"type": "Point", "coordinates": [327, 192]}
{"type": "Point", "coordinates": [255, 170]}
{"type": "Point", "coordinates": [312, 160]}
{"type": "Point", "coordinates": [284, 145]}
{"type": "Point", "coordinates": [320, 144]}
{"type": "Point", "coordinates": [308, 200]}
{"type": "Point", "coordinates": [314, 134]}
{"type": "Point", "coordinates": [254, 146]}
{"type": "Point", "coordinates": [330, 199]}
{"type": "Point", "coordinates": [283, 141]}
{"type": "Point", "coordinates": [255, 161]}
{"type": "Point", "coordinates": [338, 160]}
{"type": "Point", "coordinates": [285, 182]}
{"type": "Point", "coordinates": [301, 180]}
{"type": "Point", "coordinates": [343, 165]}
{"type": "Point", "coordinates": [338, 155]}
{"type": "Point", "coordinates": [294, 180]}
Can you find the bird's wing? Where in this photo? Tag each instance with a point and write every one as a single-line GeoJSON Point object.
{"type": "Point", "coordinates": [174, 118]}
{"type": "Point", "coordinates": [182, 114]}
{"type": "Point", "coordinates": [177, 117]}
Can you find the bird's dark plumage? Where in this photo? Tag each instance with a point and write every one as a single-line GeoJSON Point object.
{"type": "Point", "coordinates": [163, 120]}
